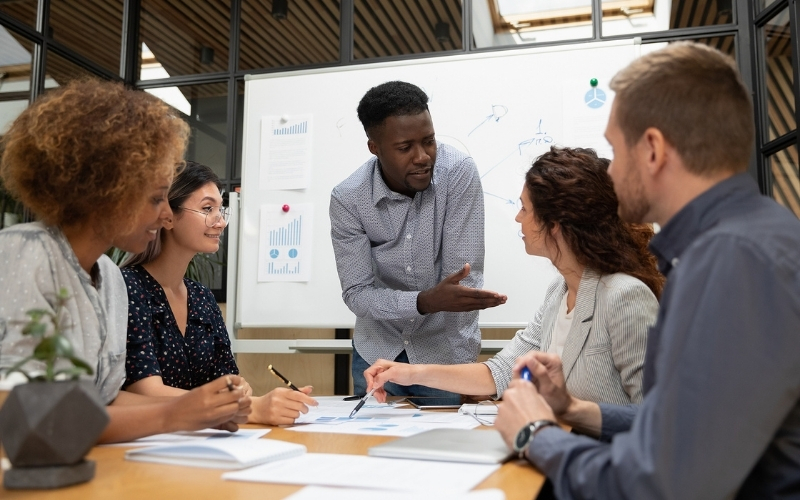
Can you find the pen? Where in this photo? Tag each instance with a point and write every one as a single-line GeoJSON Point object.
{"type": "Point", "coordinates": [363, 400]}
{"type": "Point", "coordinates": [285, 380]}
{"type": "Point", "coordinates": [230, 384]}
{"type": "Point", "coordinates": [525, 374]}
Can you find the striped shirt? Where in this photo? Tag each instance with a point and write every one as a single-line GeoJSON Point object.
{"type": "Point", "coordinates": [389, 247]}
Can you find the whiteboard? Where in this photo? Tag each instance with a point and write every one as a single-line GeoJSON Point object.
{"type": "Point", "coordinates": [502, 108]}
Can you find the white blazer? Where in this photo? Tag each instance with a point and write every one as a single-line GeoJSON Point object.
{"type": "Point", "coordinates": [604, 352]}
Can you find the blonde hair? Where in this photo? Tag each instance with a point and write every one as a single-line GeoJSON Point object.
{"type": "Point", "coordinates": [695, 96]}
{"type": "Point", "coordinates": [92, 147]}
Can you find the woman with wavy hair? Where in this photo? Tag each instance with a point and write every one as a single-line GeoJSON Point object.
{"type": "Point", "coordinates": [595, 314]}
{"type": "Point", "coordinates": [94, 162]}
{"type": "Point", "coordinates": [177, 338]}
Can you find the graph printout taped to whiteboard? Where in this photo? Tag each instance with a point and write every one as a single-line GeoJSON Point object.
{"type": "Point", "coordinates": [502, 108]}
{"type": "Point", "coordinates": [286, 152]}
{"type": "Point", "coordinates": [284, 251]}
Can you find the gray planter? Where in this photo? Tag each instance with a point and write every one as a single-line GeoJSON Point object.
{"type": "Point", "coordinates": [46, 429]}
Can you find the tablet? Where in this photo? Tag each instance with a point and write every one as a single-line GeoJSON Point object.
{"type": "Point", "coordinates": [433, 403]}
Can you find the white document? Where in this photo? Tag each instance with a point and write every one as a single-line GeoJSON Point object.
{"type": "Point", "coordinates": [285, 249]}
{"type": "Point", "coordinates": [358, 471]}
{"type": "Point", "coordinates": [202, 435]}
{"type": "Point", "coordinates": [286, 152]}
{"type": "Point", "coordinates": [218, 453]}
{"type": "Point", "coordinates": [333, 416]}
{"type": "Point", "coordinates": [317, 492]}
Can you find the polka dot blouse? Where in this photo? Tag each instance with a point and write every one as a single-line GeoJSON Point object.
{"type": "Point", "coordinates": [155, 344]}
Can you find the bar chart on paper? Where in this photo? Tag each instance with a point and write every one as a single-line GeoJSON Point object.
{"type": "Point", "coordinates": [285, 243]}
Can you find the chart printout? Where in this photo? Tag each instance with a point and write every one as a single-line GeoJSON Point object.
{"type": "Point", "coordinates": [284, 250]}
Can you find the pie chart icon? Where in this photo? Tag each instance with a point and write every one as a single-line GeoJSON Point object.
{"type": "Point", "coordinates": [595, 98]}
{"type": "Point", "coordinates": [274, 253]}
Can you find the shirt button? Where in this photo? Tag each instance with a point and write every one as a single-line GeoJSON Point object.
{"type": "Point", "coordinates": [674, 262]}
{"type": "Point", "coordinates": [408, 269]}
{"type": "Point", "coordinates": [405, 342]}
{"type": "Point", "coordinates": [408, 236]}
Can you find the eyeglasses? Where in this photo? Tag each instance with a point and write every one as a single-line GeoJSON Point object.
{"type": "Point", "coordinates": [485, 412]}
{"type": "Point", "coordinates": [212, 214]}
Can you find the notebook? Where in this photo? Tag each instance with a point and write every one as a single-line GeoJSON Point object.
{"type": "Point", "coordinates": [448, 445]}
{"type": "Point", "coordinates": [218, 454]}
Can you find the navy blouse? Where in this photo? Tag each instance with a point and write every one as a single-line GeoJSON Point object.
{"type": "Point", "coordinates": [155, 344]}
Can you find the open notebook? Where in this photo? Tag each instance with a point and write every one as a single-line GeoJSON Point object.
{"type": "Point", "coordinates": [218, 454]}
{"type": "Point", "coordinates": [448, 445]}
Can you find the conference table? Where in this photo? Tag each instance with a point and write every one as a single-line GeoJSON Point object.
{"type": "Point", "coordinates": [117, 478]}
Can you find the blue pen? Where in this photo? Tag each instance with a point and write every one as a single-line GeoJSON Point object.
{"type": "Point", "coordinates": [525, 374]}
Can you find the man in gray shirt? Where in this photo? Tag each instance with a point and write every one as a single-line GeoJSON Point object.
{"type": "Point", "coordinates": [407, 232]}
{"type": "Point", "coordinates": [721, 412]}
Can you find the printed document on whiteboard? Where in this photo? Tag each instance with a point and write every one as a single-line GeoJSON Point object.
{"type": "Point", "coordinates": [286, 152]}
{"type": "Point", "coordinates": [284, 247]}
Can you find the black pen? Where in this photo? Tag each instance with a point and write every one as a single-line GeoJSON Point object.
{"type": "Point", "coordinates": [285, 380]}
{"type": "Point", "coordinates": [363, 400]}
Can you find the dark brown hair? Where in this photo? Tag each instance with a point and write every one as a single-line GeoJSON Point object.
{"type": "Point", "coordinates": [695, 96]}
{"type": "Point", "coordinates": [572, 187]}
{"type": "Point", "coordinates": [91, 147]}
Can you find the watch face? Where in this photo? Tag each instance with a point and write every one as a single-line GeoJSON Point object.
{"type": "Point", "coordinates": [523, 436]}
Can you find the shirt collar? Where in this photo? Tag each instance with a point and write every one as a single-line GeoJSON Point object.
{"type": "Point", "coordinates": [380, 190]}
{"type": "Point", "coordinates": [698, 216]}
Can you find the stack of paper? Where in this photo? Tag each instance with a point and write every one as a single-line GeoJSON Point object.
{"type": "Point", "coordinates": [218, 454]}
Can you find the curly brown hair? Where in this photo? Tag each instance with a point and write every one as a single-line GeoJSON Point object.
{"type": "Point", "coordinates": [572, 187]}
{"type": "Point", "coordinates": [91, 147]}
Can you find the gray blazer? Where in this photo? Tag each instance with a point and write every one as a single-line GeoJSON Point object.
{"type": "Point", "coordinates": [604, 352]}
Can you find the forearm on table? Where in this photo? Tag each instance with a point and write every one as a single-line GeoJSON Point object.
{"type": "Point", "coordinates": [133, 421]}
{"type": "Point", "coordinates": [473, 379]}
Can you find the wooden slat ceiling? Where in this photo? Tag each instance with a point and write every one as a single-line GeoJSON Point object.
{"type": "Point", "coordinates": [176, 31]}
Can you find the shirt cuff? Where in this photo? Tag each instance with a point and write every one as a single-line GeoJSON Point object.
{"type": "Point", "coordinates": [615, 419]}
{"type": "Point", "coordinates": [407, 304]}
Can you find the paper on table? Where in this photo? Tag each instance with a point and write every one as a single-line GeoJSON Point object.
{"type": "Point", "coordinates": [317, 492]}
{"type": "Point", "coordinates": [358, 471]}
{"type": "Point", "coordinates": [387, 427]}
{"type": "Point", "coordinates": [177, 437]}
{"type": "Point", "coordinates": [333, 416]}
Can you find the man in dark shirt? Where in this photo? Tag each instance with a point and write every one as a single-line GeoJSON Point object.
{"type": "Point", "coordinates": [721, 413]}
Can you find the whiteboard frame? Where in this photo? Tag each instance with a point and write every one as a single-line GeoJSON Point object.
{"type": "Point", "coordinates": [235, 247]}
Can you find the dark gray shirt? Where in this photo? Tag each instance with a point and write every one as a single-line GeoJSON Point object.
{"type": "Point", "coordinates": [721, 414]}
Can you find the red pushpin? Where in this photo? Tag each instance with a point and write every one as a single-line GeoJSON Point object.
{"type": "Point", "coordinates": [285, 208]}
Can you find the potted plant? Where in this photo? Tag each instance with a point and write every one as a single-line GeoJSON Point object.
{"type": "Point", "coordinates": [49, 424]}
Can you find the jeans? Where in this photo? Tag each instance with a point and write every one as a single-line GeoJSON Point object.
{"type": "Point", "coordinates": [360, 383]}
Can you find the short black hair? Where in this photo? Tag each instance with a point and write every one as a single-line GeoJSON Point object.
{"type": "Point", "coordinates": [390, 99]}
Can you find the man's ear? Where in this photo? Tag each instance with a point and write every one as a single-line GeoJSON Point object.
{"type": "Point", "coordinates": [373, 148]}
{"type": "Point", "coordinates": [654, 150]}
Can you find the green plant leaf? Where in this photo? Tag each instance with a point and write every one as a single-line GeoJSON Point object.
{"type": "Point", "coordinates": [18, 368]}
{"type": "Point", "coordinates": [35, 328]}
{"type": "Point", "coordinates": [37, 314]}
{"type": "Point", "coordinates": [79, 363]}
{"type": "Point", "coordinates": [46, 350]}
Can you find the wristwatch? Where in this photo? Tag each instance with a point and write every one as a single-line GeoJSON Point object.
{"type": "Point", "coordinates": [526, 434]}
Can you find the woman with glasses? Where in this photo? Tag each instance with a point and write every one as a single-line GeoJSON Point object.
{"type": "Point", "coordinates": [595, 314]}
{"type": "Point", "coordinates": [177, 338]}
{"type": "Point", "coordinates": [94, 161]}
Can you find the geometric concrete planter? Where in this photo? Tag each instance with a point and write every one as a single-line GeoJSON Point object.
{"type": "Point", "coordinates": [46, 429]}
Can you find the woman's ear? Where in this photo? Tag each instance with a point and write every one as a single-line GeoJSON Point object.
{"type": "Point", "coordinates": [168, 223]}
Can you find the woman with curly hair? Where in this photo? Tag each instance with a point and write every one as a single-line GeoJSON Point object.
{"type": "Point", "coordinates": [595, 314]}
{"type": "Point", "coordinates": [177, 338]}
{"type": "Point", "coordinates": [94, 162]}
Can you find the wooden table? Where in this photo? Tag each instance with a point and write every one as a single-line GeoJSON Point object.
{"type": "Point", "coordinates": [117, 478]}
